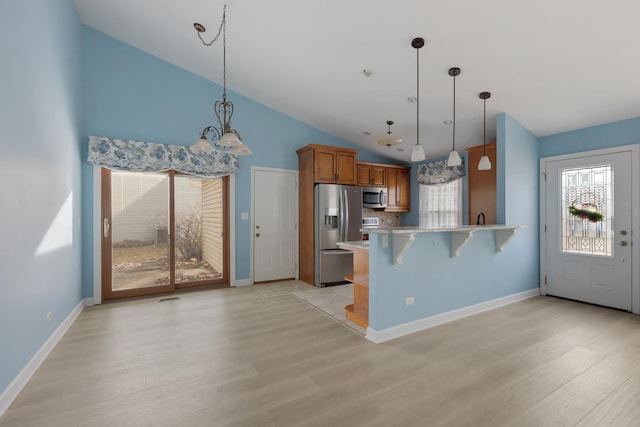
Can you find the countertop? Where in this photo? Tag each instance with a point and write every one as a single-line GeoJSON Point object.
{"type": "Point", "coordinates": [355, 244]}
{"type": "Point", "coordinates": [462, 228]}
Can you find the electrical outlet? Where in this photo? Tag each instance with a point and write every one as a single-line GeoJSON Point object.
{"type": "Point", "coordinates": [409, 301]}
{"type": "Point", "coordinates": [49, 316]}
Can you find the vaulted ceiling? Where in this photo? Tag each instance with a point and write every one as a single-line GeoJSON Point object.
{"type": "Point", "coordinates": [552, 65]}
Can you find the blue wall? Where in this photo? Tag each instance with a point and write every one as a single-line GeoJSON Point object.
{"type": "Point", "coordinates": [592, 138]}
{"type": "Point", "coordinates": [40, 173]}
{"type": "Point", "coordinates": [133, 95]}
{"type": "Point", "coordinates": [439, 283]}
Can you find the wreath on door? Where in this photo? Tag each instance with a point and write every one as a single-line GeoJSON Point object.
{"type": "Point", "coordinates": [588, 211]}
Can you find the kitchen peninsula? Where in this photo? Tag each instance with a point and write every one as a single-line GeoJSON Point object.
{"type": "Point", "coordinates": [421, 277]}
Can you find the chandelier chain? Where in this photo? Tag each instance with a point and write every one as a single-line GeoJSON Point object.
{"type": "Point", "coordinates": [222, 26]}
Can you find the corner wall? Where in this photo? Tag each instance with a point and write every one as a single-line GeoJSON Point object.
{"type": "Point", "coordinates": [40, 106]}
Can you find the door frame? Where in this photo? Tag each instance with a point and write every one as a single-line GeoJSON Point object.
{"type": "Point", "coordinates": [97, 233]}
{"type": "Point", "coordinates": [634, 150]}
{"type": "Point", "coordinates": [296, 250]}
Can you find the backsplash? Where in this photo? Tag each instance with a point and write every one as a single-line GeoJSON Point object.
{"type": "Point", "coordinates": [387, 219]}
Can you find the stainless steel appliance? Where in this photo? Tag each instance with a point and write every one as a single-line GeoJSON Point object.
{"type": "Point", "coordinates": [338, 218]}
{"type": "Point", "coordinates": [374, 197]}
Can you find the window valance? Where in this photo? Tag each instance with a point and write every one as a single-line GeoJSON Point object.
{"type": "Point", "coordinates": [138, 156]}
{"type": "Point", "coordinates": [438, 172]}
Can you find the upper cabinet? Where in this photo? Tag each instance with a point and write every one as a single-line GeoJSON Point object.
{"type": "Point", "coordinates": [482, 184]}
{"type": "Point", "coordinates": [330, 165]}
{"type": "Point", "coordinates": [399, 189]}
{"type": "Point", "coordinates": [371, 175]}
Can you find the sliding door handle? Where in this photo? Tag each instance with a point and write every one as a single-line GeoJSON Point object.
{"type": "Point", "coordinates": [105, 228]}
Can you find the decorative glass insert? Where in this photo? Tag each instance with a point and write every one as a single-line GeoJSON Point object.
{"type": "Point", "coordinates": [587, 210]}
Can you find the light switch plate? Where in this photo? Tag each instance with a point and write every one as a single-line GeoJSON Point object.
{"type": "Point", "coordinates": [244, 215]}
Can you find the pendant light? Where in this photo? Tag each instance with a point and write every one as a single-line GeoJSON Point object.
{"type": "Point", "coordinates": [417, 154]}
{"type": "Point", "coordinates": [388, 139]}
{"type": "Point", "coordinates": [226, 136]}
{"type": "Point", "coordinates": [454, 157]}
{"type": "Point", "coordinates": [485, 163]}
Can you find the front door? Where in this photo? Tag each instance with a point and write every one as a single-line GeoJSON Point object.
{"type": "Point", "coordinates": [588, 239]}
{"type": "Point", "coordinates": [275, 218]}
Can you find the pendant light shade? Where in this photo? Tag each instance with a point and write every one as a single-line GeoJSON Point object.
{"type": "Point", "coordinates": [454, 157]}
{"type": "Point", "coordinates": [202, 145]}
{"type": "Point", "coordinates": [485, 163]}
{"type": "Point", "coordinates": [241, 150]}
{"type": "Point", "coordinates": [417, 154]}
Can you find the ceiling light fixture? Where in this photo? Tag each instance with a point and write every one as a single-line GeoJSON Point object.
{"type": "Point", "coordinates": [485, 163]}
{"type": "Point", "coordinates": [387, 139]}
{"type": "Point", "coordinates": [225, 135]}
{"type": "Point", "coordinates": [417, 154]}
{"type": "Point", "coordinates": [454, 157]}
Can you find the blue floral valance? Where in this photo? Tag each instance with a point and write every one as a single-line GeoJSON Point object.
{"type": "Point", "coordinates": [438, 172]}
{"type": "Point", "coordinates": [138, 156]}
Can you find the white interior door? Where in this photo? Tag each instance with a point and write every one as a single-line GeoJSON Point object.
{"type": "Point", "coordinates": [275, 223]}
{"type": "Point", "coordinates": [588, 239]}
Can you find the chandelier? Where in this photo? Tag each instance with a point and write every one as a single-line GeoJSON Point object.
{"type": "Point", "coordinates": [223, 133]}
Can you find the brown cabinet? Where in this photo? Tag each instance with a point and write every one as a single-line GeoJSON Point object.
{"type": "Point", "coordinates": [399, 189]}
{"type": "Point", "coordinates": [331, 165]}
{"type": "Point", "coordinates": [482, 185]}
{"type": "Point", "coordinates": [318, 164]}
{"type": "Point", "coordinates": [371, 175]}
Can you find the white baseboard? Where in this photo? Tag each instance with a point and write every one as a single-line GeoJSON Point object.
{"type": "Point", "coordinates": [11, 392]}
{"type": "Point", "coordinates": [429, 322]}
{"type": "Point", "coordinates": [243, 282]}
{"type": "Point", "coordinates": [88, 302]}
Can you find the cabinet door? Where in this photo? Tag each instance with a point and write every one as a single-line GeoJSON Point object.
{"type": "Point", "coordinates": [325, 166]}
{"type": "Point", "coordinates": [392, 191]}
{"type": "Point", "coordinates": [399, 190]}
{"type": "Point", "coordinates": [346, 168]}
{"type": "Point", "coordinates": [403, 190]}
{"type": "Point", "coordinates": [378, 176]}
{"type": "Point", "coordinates": [364, 175]}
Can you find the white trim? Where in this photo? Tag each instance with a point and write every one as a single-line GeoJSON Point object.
{"type": "Point", "coordinates": [244, 282]}
{"type": "Point", "coordinates": [232, 230]}
{"type": "Point", "coordinates": [11, 392]}
{"type": "Point", "coordinates": [253, 215]}
{"type": "Point", "coordinates": [429, 322]}
{"type": "Point", "coordinates": [97, 235]}
{"type": "Point", "coordinates": [634, 149]}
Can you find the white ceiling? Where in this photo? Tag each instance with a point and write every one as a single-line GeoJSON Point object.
{"type": "Point", "coordinates": [553, 65]}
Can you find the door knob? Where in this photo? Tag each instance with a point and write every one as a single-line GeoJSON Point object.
{"type": "Point", "coordinates": [623, 243]}
{"type": "Point", "coordinates": [257, 234]}
{"type": "Point", "coordinates": [257, 226]}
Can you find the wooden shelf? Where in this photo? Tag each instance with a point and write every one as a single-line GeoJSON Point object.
{"type": "Point", "coordinates": [355, 317]}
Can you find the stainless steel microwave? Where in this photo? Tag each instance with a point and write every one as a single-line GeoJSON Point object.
{"type": "Point", "coordinates": [373, 197]}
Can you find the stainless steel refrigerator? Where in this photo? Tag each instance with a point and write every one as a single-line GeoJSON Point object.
{"type": "Point", "coordinates": [338, 218]}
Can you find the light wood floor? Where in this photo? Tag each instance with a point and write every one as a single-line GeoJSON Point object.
{"type": "Point", "coordinates": [233, 358]}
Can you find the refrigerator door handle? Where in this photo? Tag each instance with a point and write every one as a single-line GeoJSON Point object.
{"type": "Point", "coordinates": [346, 215]}
{"type": "Point", "coordinates": [340, 215]}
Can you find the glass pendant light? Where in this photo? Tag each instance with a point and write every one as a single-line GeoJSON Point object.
{"type": "Point", "coordinates": [417, 154]}
{"type": "Point", "coordinates": [454, 157]}
{"type": "Point", "coordinates": [485, 163]}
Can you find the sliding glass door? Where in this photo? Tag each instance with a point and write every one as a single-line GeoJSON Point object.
{"type": "Point", "coordinates": [162, 232]}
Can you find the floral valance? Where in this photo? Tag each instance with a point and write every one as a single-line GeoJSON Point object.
{"type": "Point", "coordinates": [138, 156]}
{"type": "Point", "coordinates": [438, 172]}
